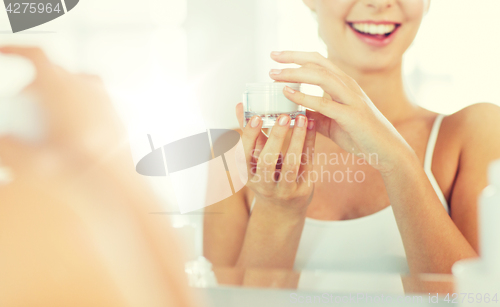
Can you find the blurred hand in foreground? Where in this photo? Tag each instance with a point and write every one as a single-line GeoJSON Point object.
{"type": "Point", "coordinates": [75, 222]}
{"type": "Point", "coordinates": [80, 118]}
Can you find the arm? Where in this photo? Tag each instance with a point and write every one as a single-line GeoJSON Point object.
{"type": "Point", "coordinates": [225, 222]}
{"type": "Point", "coordinates": [224, 227]}
{"type": "Point", "coordinates": [479, 128]}
{"type": "Point", "coordinates": [276, 224]}
{"type": "Point", "coordinates": [270, 236]}
{"type": "Point", "coordinates": [432, 241]}
{"type": "Point", "coordinates": [268, 239]}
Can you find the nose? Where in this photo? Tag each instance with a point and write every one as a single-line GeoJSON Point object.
{"type": "Point", "coordinates": [379, 4]}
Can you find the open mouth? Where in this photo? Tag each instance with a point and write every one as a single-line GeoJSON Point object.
{"type": "Point", "coordinates": [374, 31]}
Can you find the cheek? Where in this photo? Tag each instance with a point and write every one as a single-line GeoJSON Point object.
{"type": "Point", "coordinates": [336, 9]}
{"type": "Point", "coordinates": [413, 10]}
{"type": "Point", "coordinates": [332, 15]}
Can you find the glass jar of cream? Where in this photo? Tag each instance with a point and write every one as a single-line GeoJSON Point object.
{"type": "Point", "coordinates": [268, 101]}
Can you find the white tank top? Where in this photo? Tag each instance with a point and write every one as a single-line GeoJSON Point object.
{"type": "Point", "coordinates": [368, 244]}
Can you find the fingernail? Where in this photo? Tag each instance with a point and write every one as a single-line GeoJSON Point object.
{"type": "Point", "coordinates": [290, 90]}
{"type": "Point", "coordinates": [276, 52]}
{"type": "Point", "coordinates": [283, 120]}
{"type": "Point", "coordinates": [275, 71]}
{"type": "Point", "coordinates": [301, 120]}
{"type": "Point", "coordinates": [255, 121]}
{"type": "Point", "coordinates": [310, 126]}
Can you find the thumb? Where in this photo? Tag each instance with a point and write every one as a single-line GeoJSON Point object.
{"type": "Point", "coordinates": [240, 114]}
{"type": "Point", "coordinates": [323, 123]}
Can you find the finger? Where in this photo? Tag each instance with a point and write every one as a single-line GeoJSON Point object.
{"type": "Point", "coordinates": [250, 134]}
{"type": "Point", "coordinates": [240, 114]}
{"type": "Point", "coordinates": [34, 54]}
{"type": "Point", "coordinates": [270, 153]}
{"type": "Point", "coordinates": [307, 161]}
{"type": "Point", "coordinates": [315, 75]}
{"type": "Point", "coordinates": [261, 139]}
{"type": "Point", "coordinates": [293, 155]}
{"type": "Point", "coordinates": [322, 123]}
{"type": "Point", "coordinates": [302, 58]}
{"type": "Point", "coordinates": [325, 106]}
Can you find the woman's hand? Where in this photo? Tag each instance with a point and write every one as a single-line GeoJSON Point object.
{"type": "Point", "coordinates": [80, 117]}
{"type": "Point", "coordinates": [282, 181]}
{"type": "Point", "coordinates": [347, 116]}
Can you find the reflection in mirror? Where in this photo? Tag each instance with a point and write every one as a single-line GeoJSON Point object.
{"type": "Point", "coordinates": [374, 175]}
{"type": "Point", "coordinates": [335, 282]}
{"type": "Point", "coordinates": [257, 278]}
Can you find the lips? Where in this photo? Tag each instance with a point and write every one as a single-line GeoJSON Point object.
{"type": "Point", "coordinates": [373, 33]}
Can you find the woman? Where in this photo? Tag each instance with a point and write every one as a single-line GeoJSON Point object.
{"type": "Point", "coordinates": [411, 209]}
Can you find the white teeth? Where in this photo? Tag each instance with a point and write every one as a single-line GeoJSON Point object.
{"type": "Point", "coordinates": [374, 29]}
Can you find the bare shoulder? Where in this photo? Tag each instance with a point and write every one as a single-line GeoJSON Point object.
{"type": "Point", "coordinates": [475, 131]}
{"type": "Point", "coordinates": [476, 122]}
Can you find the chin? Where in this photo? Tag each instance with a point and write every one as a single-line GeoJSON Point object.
{"type": "Point", "coordinates": [373, 64]}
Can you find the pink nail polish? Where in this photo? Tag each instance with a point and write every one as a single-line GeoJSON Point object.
{"type": "Point", "coordinates": [310, 126]}
{"type": "Point", "coordinates": [290, 90]}
{"type": "Point", "coordinates": [301, 120]}
{"type": "Point", "coordinates": [275, 71]}
{"type": "Point", "coordinates": [255, 121]}
{"type": "Point", "coordinates": [283, 120]}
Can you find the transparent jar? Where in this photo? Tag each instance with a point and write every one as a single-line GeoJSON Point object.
{"type": "Point", "coordinates": [268, 101]}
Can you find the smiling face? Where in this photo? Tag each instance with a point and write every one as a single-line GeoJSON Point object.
{"type": "Point", "coordinates": [368, 35]}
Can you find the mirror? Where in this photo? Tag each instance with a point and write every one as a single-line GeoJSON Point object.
{"type": "Point", "coordinates": [350, 236]}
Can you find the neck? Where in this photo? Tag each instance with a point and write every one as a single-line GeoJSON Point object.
{"type": "Point", "coordinates": [385, 89]}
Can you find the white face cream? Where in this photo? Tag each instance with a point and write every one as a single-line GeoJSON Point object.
{"type": "Point", "coordinates": [268, 101]}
